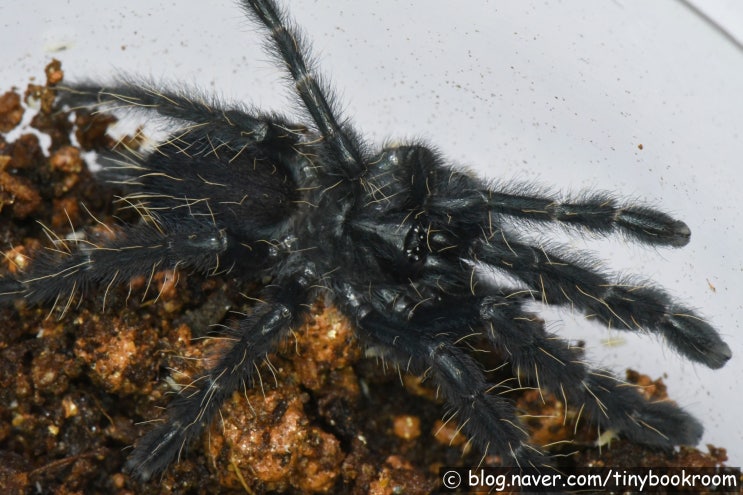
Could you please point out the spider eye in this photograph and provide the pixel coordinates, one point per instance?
(415, 244)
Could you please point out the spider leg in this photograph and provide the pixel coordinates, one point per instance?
(618, 305)
(193, 410)
(229, 123)
(143, 249)
(489, 420)
(341, 142)
(550, 362)
(598, 212)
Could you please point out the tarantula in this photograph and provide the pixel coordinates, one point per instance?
(403, 244)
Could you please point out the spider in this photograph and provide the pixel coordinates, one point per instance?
(400, 241)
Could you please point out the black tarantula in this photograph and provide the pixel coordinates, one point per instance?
(400, 241)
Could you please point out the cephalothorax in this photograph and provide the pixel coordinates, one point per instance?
(396, 238)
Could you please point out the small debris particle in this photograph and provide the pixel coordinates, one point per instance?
(66, 159)
(54, 72)
(11, 111)
(407, 427)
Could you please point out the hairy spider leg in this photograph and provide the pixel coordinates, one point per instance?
(429, 338)
(72, 267)
(346, 154)
(599, 213)
(487, 419)
(551, 363)
(257, 336)
(189, 219)
(577, 283)
(620, 305)
(230, 123)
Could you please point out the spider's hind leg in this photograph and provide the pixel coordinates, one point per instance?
(72, 268)
(190, 107)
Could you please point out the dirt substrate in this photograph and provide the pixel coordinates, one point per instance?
(78, 383)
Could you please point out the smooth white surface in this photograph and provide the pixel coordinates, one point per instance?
(561, 93)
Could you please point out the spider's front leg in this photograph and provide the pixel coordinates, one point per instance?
(575, 281)
(595, 212)
(621, 305)
(193, 410)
